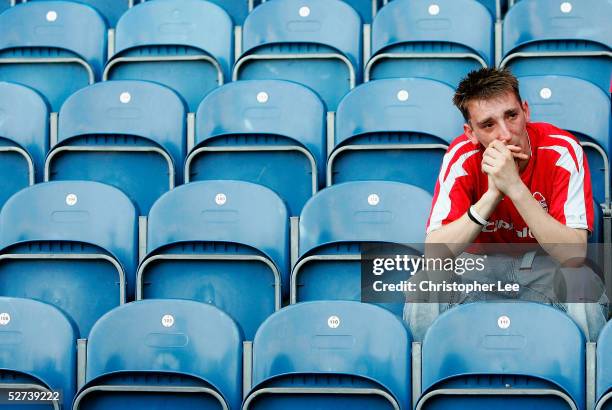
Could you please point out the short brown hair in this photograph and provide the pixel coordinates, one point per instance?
(484, 84)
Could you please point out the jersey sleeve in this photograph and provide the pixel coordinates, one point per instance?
(455, 186)
(572, 196)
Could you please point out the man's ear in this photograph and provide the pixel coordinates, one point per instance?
(526, 111)
(467, 130)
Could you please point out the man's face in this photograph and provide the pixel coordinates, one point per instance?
(502, 118)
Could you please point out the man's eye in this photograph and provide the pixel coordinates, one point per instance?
(513, 115)
(488, 126)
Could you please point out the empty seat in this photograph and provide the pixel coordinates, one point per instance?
(604, 369)
(268, 132)
(503, 356)
(336, 224)
(24, 138)
(392, 130)
(111, 10)
(331, 355)
(219, 242)
(554, 99)
(38, 353)
(55, 47)
(186, 45)
(163, 354)
(317, 44)
(441, 40)
(71, 244)
(560, 37)
(237, 9)
(130, 134)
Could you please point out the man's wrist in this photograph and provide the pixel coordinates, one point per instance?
(517, 191)
(492, 197)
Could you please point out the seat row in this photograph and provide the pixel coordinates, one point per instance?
(239, 9)
(222, 242)
(174, 354)
(191, 46)
(139, 137)
(81, 246)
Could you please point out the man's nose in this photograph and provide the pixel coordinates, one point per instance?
(504, 134)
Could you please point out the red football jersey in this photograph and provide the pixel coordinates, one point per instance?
(557, 175)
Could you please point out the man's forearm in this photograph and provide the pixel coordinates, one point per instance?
(458, 234)
(557, 239)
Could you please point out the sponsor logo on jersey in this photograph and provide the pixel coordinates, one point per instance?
(540, 198)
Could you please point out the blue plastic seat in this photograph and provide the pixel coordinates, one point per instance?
(163, 354)
(604, 369)
(391, 130)
(331, 355)
(318, 44)
(562, 38)
(38, 353)
(111, 10)
(72, 244)
(237, 9)
(441, 40)
(554, 99)
(339, 221)
(24, 138)
(187, 45)
(221, 242)
(503, 356)
(130, 134)
(55, 47)
(268, 132)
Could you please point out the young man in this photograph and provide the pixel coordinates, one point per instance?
(508, 180)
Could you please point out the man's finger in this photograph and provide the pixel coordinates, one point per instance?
(492, 152)
(498, 145)
(520, 155)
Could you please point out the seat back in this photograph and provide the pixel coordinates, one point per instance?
(561, 38)
(135, 134)
(441, 40)
(57, 245)
(498, 347)
(554, 99)
(220, 242)
(38, 349)
(24, 138)
(364, 211)
(604, 369)
(187, 45)
(163, 343)
(339, 221)
(55, 47)
(111, 10)
(390, 130)
(317, 346)
(318, 45)
(267, 132)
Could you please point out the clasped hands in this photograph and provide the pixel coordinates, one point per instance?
(499, 162)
